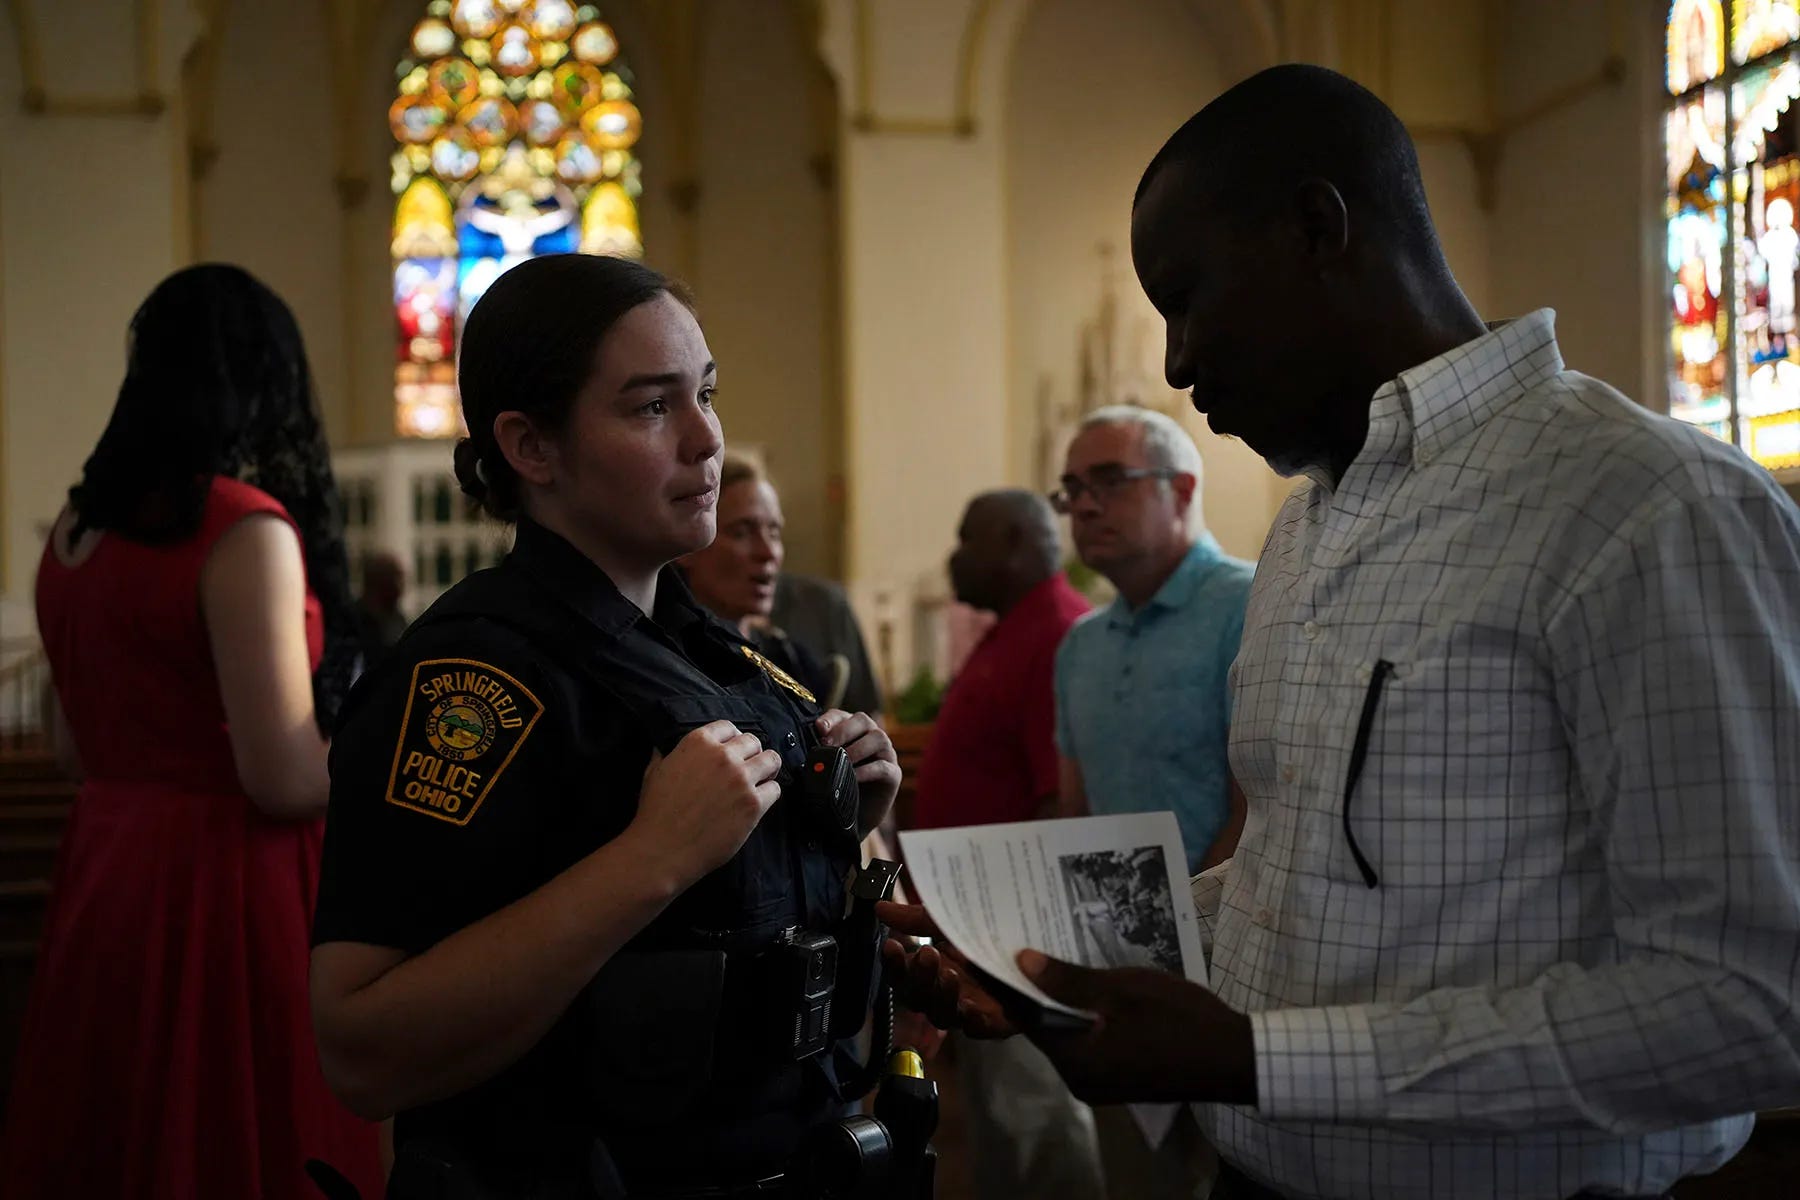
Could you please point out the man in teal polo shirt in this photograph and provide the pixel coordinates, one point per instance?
(1142, 699)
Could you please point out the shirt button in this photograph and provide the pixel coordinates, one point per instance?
(1264, 917)
(1310, 631)
(1288, 773)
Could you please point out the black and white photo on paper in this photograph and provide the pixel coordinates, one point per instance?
(1121, 908)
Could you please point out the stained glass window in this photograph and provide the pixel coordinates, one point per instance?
(514, 126)
(1696, 43)
(1759, 27)
(1731, 228)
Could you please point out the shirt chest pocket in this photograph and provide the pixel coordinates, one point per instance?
(1453, 767)
(674, 717)
(757, 880)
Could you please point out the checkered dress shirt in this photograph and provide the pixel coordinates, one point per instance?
(1579, 964)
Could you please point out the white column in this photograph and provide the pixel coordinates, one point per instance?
(924, 290)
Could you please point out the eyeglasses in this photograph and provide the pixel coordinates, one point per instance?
(1103, 483)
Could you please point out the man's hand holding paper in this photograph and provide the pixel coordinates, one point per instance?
(1156, 1037)
(1016, 905)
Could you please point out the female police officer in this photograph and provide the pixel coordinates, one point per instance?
(563, 920)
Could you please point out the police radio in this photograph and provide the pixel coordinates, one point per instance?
(829, 796)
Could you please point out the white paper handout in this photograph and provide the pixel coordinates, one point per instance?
(1106, 891)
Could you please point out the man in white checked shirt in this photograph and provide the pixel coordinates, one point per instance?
(1516, 910)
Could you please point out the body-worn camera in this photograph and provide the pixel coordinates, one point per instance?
(806, 967)
(825, 982)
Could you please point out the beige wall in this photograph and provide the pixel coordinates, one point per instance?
(764, 238)
(1576, 205)
(924, 289)
(267, 202)
(1072, 165)
(1541, 177)
(925, 303)
(89, 208)
(1430, 66)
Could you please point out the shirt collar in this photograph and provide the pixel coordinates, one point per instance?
(1178, 589)
(1041, 598)
(579, 582)
(1430, 407)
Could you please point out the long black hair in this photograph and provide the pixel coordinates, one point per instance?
(216, 383)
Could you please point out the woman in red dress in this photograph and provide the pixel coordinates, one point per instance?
(194, 605)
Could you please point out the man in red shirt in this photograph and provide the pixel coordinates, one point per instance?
(992, 757)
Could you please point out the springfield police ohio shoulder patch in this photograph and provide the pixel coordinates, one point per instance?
(464, 723)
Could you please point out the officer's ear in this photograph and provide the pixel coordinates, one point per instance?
(530, 452)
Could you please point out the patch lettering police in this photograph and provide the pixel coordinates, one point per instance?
(464, 723)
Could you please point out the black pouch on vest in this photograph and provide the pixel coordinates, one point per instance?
(649, 1021)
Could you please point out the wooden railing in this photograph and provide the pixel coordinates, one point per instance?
(24, 694)
(909, 747)
(34, 808)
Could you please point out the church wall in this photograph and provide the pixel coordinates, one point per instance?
(924, 293)
(1427, 60)
(1464, 227)
(1573, 223)
(929, 422)
(89, 222)
(1430, 61)
(267, 203)
(763, 231)
(1088, 103)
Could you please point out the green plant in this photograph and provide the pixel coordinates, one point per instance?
(919, 701)
(1088, 581)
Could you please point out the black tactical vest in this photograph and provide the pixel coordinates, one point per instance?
(666, 1054)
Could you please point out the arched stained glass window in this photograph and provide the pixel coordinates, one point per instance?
(515, 129)
(1733, 241)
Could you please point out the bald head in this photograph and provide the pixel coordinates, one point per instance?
(1296, 122)
(1027, 517)
(1007, 545)
(1282, 234)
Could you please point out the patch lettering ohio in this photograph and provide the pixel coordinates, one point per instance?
(464, 723)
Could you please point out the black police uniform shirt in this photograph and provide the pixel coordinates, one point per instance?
(501, 741)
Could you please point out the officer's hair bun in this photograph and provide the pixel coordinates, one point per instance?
(487, 479)
(467, 463)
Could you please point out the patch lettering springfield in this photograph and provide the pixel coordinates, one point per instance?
(464, 723)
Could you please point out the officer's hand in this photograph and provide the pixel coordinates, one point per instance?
(871, 752)
(914, 1031)
(1158, 1037)
(935, 980)
(699, 804)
